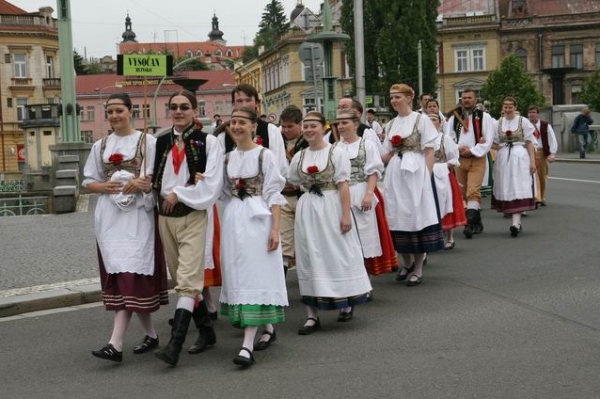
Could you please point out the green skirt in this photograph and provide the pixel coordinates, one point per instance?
(252, 315)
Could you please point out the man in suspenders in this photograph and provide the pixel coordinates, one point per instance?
(473, 130)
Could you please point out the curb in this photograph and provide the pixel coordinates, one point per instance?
(577, 160)
(44, 300)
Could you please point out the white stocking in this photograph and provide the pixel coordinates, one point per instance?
(146, 322)
(249, 335)
(516, 219)
(122, 319)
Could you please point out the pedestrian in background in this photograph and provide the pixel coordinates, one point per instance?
(581, 127)
(545, 153)
(133, 274)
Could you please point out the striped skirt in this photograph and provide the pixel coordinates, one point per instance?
(252, 315)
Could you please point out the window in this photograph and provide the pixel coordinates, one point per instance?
(49, 66)
(201, 108)
(598, 55)
(229, 53)
(576, 56)
(189, 54)
(522, 56)
(558, 56)
(20, 63)
(199, 53)
(90, 112)
(576, 89)
(461, 60)
(469, 59)
(87, 136)
(146, 111)
(218, 53)
(21, 103)
(135, 111)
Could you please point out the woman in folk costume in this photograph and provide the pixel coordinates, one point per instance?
(366, 170)
(515, 165)
(450, 200)
(133, 273)
(409, 191)
(330, 267)
(253, 292)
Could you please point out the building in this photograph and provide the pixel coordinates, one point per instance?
(214, 97)
(468, 47)
(215, 52)
(29, 75)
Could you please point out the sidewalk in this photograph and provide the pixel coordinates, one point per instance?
(573, 157)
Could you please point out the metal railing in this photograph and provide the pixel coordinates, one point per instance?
(23, 205)
(12, 186)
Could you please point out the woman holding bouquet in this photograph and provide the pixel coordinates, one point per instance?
(253, 293)
(132, 267)
(330, 267)
(409, 191)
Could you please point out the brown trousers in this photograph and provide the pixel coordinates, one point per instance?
(470, 174)
(541, 165)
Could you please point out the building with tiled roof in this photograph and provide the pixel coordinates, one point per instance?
(29, 74)
(214, 97)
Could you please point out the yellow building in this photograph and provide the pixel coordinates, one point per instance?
(468, 47)
(29, 75)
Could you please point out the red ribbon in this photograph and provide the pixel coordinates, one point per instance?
(178, 157)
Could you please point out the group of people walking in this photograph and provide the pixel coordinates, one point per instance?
(299, 195)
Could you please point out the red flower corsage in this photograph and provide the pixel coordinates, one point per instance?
(312, 169)
(240, 184)
(115, 158)
(508, 133)
(396, 140)
(258, 140)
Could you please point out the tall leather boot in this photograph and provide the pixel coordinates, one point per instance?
(477, 224)
(471, 216)
(170, 353)
(206, 336)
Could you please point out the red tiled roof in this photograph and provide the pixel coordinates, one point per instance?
(7, 8)
(553, 7)
(106, 83)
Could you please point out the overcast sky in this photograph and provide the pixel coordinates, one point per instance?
(98, 24)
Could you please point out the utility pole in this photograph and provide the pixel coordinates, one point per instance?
(420, 61)
(359, 48)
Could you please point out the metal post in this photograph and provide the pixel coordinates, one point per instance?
(420, 61)
(315, 86)
(359, 48)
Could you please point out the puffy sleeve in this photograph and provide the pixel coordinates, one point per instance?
(488, 131)
(205, 193)
(293, 175)
(148, 200)
(341, 164)
(373, 164)
(273, 180)
(451, 149)
(94, 167)
(552, 142)
(430, 137)
(277, 147)
(387, 144)
(528, 130)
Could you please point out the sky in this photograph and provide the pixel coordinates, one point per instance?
(98, 24)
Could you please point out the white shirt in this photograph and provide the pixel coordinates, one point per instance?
(552, 142)
(467, 138)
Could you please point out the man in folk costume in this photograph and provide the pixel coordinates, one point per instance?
(290, 123)
(473, 130)
(545, 153)
(267, 134)
(183, 205)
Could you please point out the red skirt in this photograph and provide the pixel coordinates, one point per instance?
(212, 277)
(136, 292)
(388, 261)
(458, 216)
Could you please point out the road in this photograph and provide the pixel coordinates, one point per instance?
(496, 317)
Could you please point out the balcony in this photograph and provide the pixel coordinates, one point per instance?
(51, 83)
(28, 20)
(41, 115)
(467, 21)
(22, 84)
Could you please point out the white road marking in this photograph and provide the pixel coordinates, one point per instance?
(576, 180)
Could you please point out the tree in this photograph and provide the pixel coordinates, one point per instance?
(79, 64)
(392, 33)
(591, 92)
(94, 68)
(193, 65)
(272, 26)
(511, 79)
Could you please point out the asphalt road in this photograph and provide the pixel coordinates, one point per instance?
(496, 317)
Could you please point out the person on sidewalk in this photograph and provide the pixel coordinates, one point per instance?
(133, 275)
(581, 127)
(513, 191)
(253, 292)
(183, 219)
(373, 124)
(473, 130)
(546, 147)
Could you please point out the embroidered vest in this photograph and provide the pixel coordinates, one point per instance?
(411, 143)
(242, 187)
(514, 137)
(544, 136)
(440, 155)
(323, 179)
(357, 164)
(131, 165)
(477, 119)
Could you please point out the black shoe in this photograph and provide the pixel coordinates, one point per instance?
(307, 330)
(109, 353)
(468, 231)
(346, 316)
(515, 230)
(543, 203)
(370, 297)
(402, 276)
(414, 280)
(214, 315)
(206, 339)
(244, 361)
(262, 345)
(147, 344)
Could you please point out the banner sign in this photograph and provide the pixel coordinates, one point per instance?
(144, 65)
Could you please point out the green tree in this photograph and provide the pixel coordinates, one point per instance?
(392, 33)
(511, 79)
(591, 91)
(193, 65)
(79, 64)
(272, 25)
(94, 68)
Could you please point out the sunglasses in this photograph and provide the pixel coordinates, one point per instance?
(183, 107)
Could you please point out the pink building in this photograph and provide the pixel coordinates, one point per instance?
(214, 97)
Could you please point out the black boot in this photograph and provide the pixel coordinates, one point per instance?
(170, 353)
(477, 225)
(468, 230)
(206, 336)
